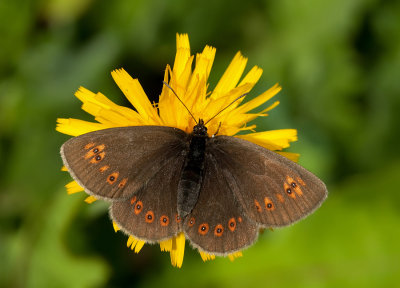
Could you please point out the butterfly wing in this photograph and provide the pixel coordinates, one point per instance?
(151, 214)
(273, 190)
(115, 163)
(217, 224)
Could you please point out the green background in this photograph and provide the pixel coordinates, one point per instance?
(338, 62)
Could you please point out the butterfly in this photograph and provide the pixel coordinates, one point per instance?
(220, 190)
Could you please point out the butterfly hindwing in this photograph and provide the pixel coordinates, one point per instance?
(217, 224)
(273, 190)
(114, 163)
(151, 214)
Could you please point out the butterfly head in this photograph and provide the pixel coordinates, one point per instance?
(200, 129)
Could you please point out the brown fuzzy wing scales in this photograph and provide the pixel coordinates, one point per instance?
(151, 214)
(217, 224)
(272, 190)
(115, 163)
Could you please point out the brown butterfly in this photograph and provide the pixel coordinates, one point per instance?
(220, 191)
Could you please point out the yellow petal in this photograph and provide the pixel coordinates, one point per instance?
(182, 54)
(134, 92)
(106, 111)
(63, 168)
(292, 156)
(166, 245)
(235, 255)
(115, 226)
(252, 77)
(134, 243)
(73, 187)
(205, 256)
(273, 139)
(178, 250)
(204, 62)
(231, 76)
(261, 99)
(90, 199)
(75, 127)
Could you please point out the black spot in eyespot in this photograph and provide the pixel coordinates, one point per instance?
(150, 217)
(294, 184)
(232, 224)
(164, 219)
(98, 158)
(95, 150)
(289, 191)
(203, 228)
(112, 178)
(269, 205)
(219, 230)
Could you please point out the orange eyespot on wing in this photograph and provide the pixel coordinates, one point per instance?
(218, 230)
(232, 224)
(203, 229)
(138, 207)
(112, 178)
(164, 220)
(149, 217)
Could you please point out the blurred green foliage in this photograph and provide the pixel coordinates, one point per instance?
(338, 62)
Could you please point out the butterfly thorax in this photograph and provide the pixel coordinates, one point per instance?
(192, 172)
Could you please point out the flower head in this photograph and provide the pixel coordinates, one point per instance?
(192, 87)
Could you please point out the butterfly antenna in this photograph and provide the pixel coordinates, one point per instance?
(241, 96)
(166, 84)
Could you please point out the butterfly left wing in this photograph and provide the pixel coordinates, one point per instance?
(151, 214)
(114, 163)
(273, 190)
(217, 224)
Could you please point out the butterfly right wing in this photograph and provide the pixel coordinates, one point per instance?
(273, 190)
(115, 163)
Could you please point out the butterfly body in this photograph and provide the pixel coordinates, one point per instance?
(218, 190)
(192, 172)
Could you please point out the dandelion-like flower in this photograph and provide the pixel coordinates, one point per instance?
(192, 87)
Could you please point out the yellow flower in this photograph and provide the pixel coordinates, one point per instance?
(192, 87)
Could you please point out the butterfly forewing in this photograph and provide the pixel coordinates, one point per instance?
(272, 190)
(217, 224)
(151, 214)
(114, 163)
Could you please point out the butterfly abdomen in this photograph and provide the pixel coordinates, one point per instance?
(192, 172)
